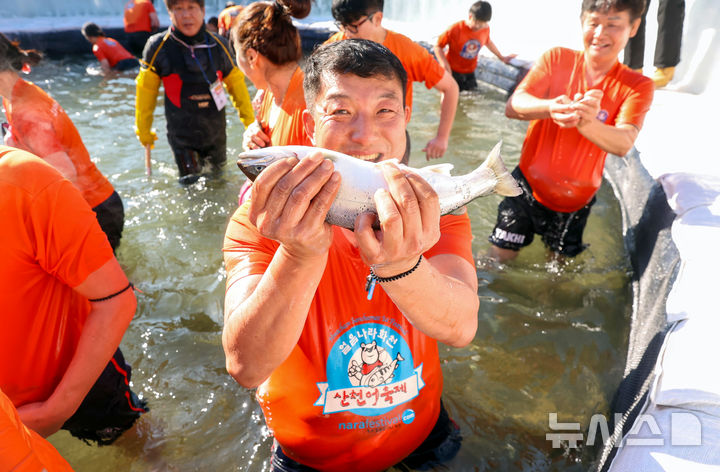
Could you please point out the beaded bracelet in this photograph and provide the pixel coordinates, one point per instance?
(373, 278)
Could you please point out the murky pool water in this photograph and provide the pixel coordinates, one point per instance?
(551, 337)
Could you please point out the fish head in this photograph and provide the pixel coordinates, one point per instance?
(252, 163)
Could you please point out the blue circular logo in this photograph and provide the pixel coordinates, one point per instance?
(408, 416)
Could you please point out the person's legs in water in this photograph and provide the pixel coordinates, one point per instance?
(111, 216)
(465, 81)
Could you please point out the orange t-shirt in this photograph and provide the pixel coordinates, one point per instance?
(111, 50)
(50, 242)
(329, 404)
(137, 16)
(40, 126)
(464, 46)
(22, 449)
(419, 64)
(227, 17)
(284, 124)
(564, 168)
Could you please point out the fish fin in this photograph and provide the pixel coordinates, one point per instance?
(443, 169)
(506, 185)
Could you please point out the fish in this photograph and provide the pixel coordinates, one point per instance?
(361, 179)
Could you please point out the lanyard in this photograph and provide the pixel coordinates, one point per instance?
(192, 54)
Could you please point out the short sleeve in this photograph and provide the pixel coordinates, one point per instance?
(537, 80)
(245, 251)
(69, 242)
(455, 238)
(99, 53)
(637, 104)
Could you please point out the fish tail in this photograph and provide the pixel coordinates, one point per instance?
(506, 185)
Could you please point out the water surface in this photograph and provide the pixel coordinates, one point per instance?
(551, 336)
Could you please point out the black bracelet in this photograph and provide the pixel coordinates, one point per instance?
(373, 278)
(130, 285)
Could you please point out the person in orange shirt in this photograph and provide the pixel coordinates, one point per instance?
(267, 50)
(38, 124)
(66, 305)
(140, 21)
(22, 448)
(349, 379)
(581, 105)
(463, 41)
(363, 19)
(228, 17)
(110, 53)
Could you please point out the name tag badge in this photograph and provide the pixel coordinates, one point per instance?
(218, 94)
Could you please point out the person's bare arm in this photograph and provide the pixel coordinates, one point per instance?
(440, 297)
(105, 66)
(104, 328)
(493, 49)
(449, 93)
(442, 58)
(616, 139)
(524, 106)
(265, 314)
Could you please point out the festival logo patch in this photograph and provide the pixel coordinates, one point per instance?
(370, 371)
(470, 49)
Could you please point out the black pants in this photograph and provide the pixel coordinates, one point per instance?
(465, 81)
(110, 408)
(670, 17)
(441, 445)
(111, 216)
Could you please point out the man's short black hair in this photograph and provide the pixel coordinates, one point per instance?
(359, 57)
(481, 11)
(634, 7)
(348, 12)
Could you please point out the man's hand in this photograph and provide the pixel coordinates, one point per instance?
(409, 216)
(290, 200)
(587, 106)
(435, 148)
(562, 112)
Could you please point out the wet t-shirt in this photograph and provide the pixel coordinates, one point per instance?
(284, 124)
(361, 389)
(40, 126)
(564, 168)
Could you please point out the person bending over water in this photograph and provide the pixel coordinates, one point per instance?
(110, 53)
(297, 315)
(38, 124)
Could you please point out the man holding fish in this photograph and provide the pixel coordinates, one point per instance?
(297, 313)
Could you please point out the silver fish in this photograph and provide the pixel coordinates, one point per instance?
(361, 179)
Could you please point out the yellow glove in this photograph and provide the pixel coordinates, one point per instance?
(147, 85)
(239, 95)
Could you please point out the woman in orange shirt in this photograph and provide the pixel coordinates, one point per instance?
(39, 125)
(267, 47)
